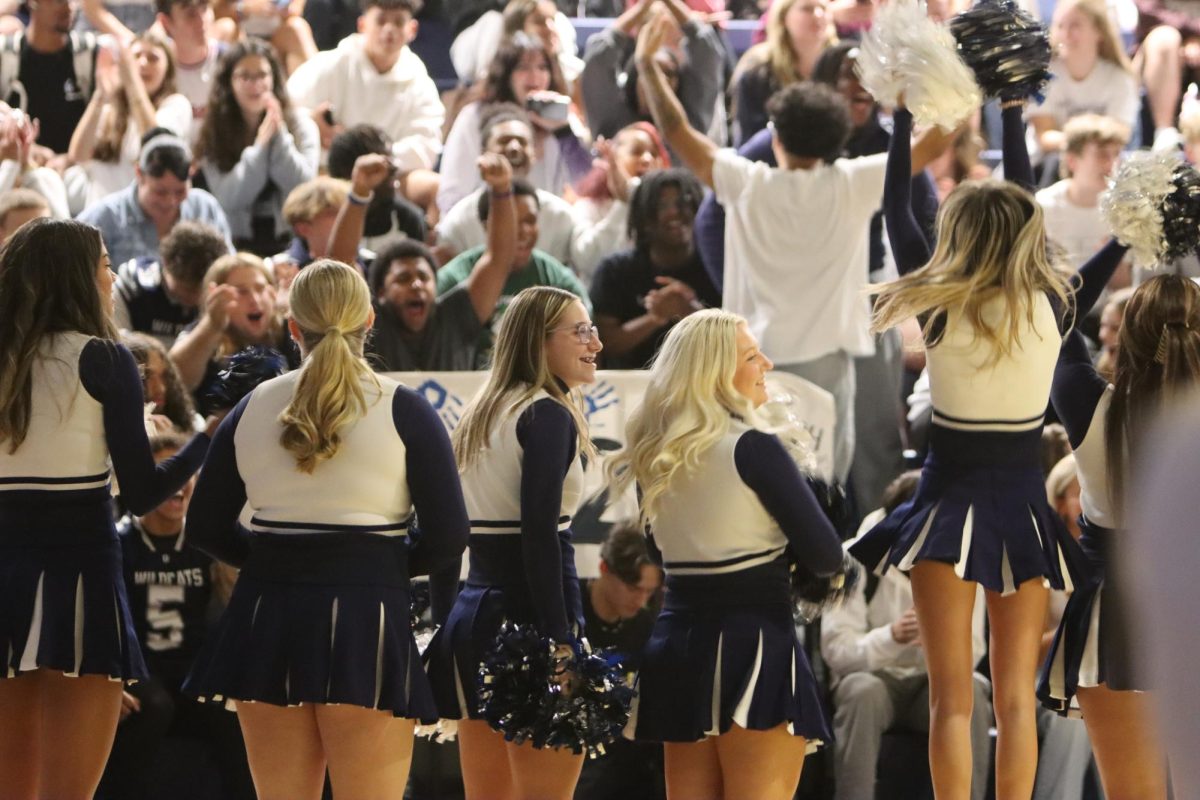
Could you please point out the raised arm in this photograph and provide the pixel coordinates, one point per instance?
(909, 245)
(694, 148)
(486, 282)
(368, 172)
(1077, 388)
(1016, 155)
(765, 466)
(547, 436)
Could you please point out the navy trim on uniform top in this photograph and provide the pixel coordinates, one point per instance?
(515, 523)
(329, 526)
(103, 476)
(723, 562)
(1027, 420)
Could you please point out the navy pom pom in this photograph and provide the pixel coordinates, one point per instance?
(522, 692)
(1181, 214)
(812, 595)
(243, 371)
(1006, 48)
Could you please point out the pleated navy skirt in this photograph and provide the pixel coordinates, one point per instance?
(1092, 646)
(980, 506)
(711, 663)
(318, 618)
(63, 605)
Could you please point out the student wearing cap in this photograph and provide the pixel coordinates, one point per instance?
(134, 220)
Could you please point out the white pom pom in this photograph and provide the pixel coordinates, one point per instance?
(907, 52)
(1132, 204)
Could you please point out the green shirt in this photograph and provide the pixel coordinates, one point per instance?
(542, 270)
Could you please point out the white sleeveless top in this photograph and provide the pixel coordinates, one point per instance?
(492, 483)
(710, 522)
(363, 488)
(1091, 462)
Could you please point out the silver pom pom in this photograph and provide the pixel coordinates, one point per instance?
(906, 52)
(1132, 205)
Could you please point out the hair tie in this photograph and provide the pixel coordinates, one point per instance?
(333, 331)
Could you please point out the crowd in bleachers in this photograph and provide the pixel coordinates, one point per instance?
(221, 147)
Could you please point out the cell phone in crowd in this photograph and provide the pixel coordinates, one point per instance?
(554, 109)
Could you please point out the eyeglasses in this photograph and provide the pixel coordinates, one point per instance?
(584, 332)
(251, 77)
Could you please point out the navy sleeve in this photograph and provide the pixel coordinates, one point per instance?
(925, 206)
(547, 437)
(110, 374)
(433, 484)
(765, 466)
(1016, 155)
(212, 518)
(1094, 275)
(909, 245)
(1077, 388)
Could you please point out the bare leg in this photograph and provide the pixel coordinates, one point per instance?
(294, 42)
(1017, 621)
(944, 604)
(1162, 73)
(761, 764)
(693, 770)
(1126, 743)
(79, 722)
(20, 735)
(284, 748)
(484, 757)
(369, 752)
(545, 774)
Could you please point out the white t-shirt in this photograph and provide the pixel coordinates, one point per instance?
(1080, 231)
(460, 229)
(796, 252)
(194, 81)
(1107, 90)
(105, 177)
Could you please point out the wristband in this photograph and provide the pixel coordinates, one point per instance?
(359, 200)
(501, 195)
(1012, 103)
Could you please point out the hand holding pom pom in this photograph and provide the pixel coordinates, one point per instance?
(245, 370)
(1006, 47)
(908, 59)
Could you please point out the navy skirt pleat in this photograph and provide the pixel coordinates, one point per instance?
(326, 621)
(992, 523)
(706, 669)
(1092, 646)
(63, 605)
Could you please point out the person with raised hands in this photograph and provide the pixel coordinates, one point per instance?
(993, 310)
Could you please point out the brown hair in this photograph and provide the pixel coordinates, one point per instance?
(116, 122)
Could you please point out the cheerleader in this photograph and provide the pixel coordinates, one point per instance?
(519, 448)
(993, 312)
(724, 683)
(314, 650)
(70, 405)
(1089, 667)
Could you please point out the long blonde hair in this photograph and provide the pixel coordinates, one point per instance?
(1111, 48)
(991, 243)
(519, 371)
(776, 52)
(331, 304)
(686, 409)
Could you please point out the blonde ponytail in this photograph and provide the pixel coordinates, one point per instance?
(331, 304)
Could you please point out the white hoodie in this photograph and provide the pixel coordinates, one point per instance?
(403, 102)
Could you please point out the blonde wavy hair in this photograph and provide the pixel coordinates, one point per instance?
(331, 304)
(991, 244)
(1111, 47)
(776, 50)
(687, 408)
(519, 371)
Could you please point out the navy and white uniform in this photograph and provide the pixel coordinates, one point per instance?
(724, 649)
(522, 491)
(63, 604)
(320, 611)
(1092, 645)
(141, 302)
(981, 503)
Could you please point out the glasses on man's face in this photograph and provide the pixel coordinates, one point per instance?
(584, 332)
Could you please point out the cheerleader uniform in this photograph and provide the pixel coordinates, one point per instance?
(724, 649)
(320, 611)
(522, 491)
(63, 604)
(981, 502)
(1092, 645)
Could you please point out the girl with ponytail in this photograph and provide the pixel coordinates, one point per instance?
(1089, 667)
(315, 650)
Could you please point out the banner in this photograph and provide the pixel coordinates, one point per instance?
(608, 404)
